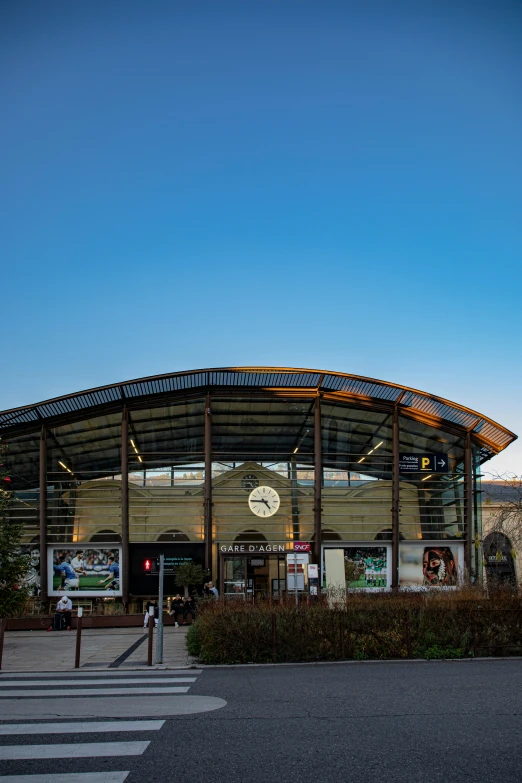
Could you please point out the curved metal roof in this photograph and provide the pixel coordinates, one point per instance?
(280, 380)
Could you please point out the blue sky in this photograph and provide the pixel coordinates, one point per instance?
(325, 184)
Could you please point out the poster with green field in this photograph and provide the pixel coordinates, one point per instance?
(84, 571)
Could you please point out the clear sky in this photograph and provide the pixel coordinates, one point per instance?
(332, 185)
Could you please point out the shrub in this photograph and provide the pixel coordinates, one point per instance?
(438, 653)
(363, 626)
(193, 640)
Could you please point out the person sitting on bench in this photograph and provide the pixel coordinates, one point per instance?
(176, 609)
(62, 617)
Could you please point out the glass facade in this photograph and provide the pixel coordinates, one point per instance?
(186, 469)
(432, 504)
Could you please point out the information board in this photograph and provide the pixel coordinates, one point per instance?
(423, 463)
(143, 582)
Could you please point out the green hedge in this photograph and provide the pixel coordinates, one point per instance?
(386, 626)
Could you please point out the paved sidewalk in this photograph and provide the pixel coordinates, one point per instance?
(124, 648)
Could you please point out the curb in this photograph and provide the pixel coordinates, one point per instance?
(127, 669)
(188, 667)
(392, 661)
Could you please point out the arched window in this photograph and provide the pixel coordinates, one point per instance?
(173, 535)
(106, 537)
(330, 535)
(387, 535)
(327, 535)
(248, 536)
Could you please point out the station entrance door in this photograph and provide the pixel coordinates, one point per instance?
(253, 577)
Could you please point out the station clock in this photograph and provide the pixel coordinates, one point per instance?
(263, 501)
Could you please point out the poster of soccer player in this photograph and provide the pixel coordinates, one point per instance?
(366, 567)
(84, 571)
(430, 565)
(32, 577)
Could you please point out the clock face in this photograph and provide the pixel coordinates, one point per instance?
(263, 501)
(249, 481)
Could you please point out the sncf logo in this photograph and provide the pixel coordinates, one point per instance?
(301, 546)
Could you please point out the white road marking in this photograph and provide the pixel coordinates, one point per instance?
(108, 681)
(71, 777)
(158, 673)
(94, 708)
(86, 727)
(88, 692)
(72, 750)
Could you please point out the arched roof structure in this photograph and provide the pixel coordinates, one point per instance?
(104, 405)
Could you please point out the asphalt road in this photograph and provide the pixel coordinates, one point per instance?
(407, 722)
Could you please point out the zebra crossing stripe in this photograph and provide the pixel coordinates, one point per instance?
(159, 674)
(71, 777)
(108, 681)
(71, 750)
(85, 727)
(71, 693)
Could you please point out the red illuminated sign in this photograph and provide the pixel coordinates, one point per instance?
(301, 546)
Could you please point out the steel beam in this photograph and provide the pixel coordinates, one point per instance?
(295, 499)
(468, 504)
(125, 505)
(43, 515)
(318, 480)
(208, 482)
(395, 498)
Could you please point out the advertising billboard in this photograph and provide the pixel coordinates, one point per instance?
(144, 568)
(430, 565)
(84, 571)
(32, 577)
(361, 567)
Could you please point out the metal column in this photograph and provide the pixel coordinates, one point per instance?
(208, 483)
(295, 500)
(468, 504)
(125, 505)
(318, 480)
(395, 499)
(159, 635)
(43, 515)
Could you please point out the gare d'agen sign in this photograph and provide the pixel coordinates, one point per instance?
(247, 549)
(423, 463)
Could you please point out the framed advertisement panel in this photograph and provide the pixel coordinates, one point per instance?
(32, 578)
(146, 582)
(431, 564)
(93, 570)
(364, 566)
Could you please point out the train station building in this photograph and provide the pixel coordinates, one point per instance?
(273, 479)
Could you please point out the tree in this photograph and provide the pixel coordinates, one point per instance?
(502, 508)
(13, 564)
(189, 574)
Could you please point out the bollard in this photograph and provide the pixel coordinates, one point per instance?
(341, 635)
(274, 637)
(151, 631)
(159, 635)
(3, 625)
(78, 638)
